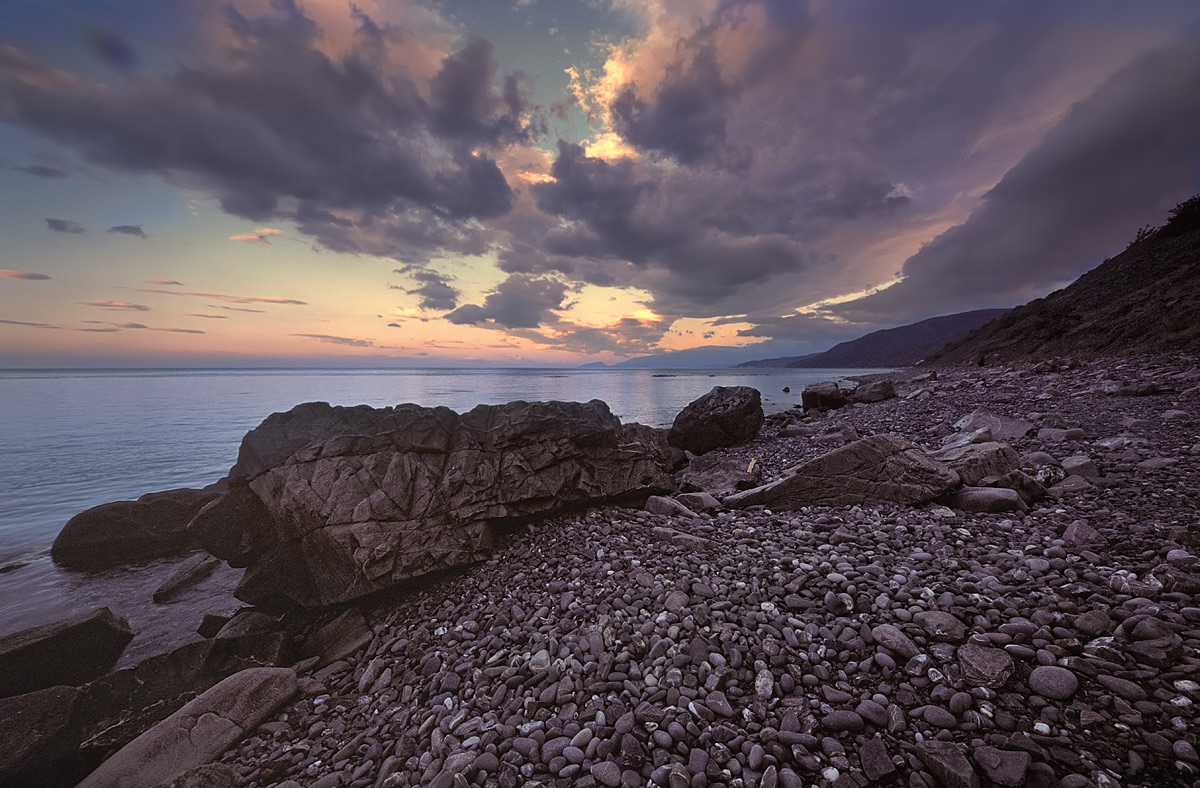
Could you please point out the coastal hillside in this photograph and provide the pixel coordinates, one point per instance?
(1144, 300)
(890, 347)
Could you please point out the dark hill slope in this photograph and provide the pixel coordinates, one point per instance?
(1144, 300)
(889, 347)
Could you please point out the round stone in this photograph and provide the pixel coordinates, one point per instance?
(607, 773)
(843, 721)
(1051, 681)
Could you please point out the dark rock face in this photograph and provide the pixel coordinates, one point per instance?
(875, 469)
(357, 499)
(39, 738)
(70, 652)
(725, 416)
(114, 534)
(823, 396)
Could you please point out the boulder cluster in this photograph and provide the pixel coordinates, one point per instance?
(983, 577)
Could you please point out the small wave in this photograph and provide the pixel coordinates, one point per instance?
(14, 566)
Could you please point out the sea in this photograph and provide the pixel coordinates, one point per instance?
(73, 439)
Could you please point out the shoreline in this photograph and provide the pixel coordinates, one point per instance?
(744, 647)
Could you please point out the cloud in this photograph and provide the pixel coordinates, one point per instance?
(165, 282)
(244, 309)
(8, 273)
(129, 229)
(433, 287)
(355, 145)
(116, 305)
(1111, 165)
(210, 317)
(30, 325)
(348, 341)
(111, 48)
(42, 171)
(64, 226)
(260, 235)
(128, 325)
(231, 298)
(518, 302)
(179, 330)
(98, 330)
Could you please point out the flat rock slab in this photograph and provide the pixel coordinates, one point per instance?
(881, 468)
(199, 732)
(71, 651)
(39, 738)
(977, 461)
(189, 573)
(1003, 428)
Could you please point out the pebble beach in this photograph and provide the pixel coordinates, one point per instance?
(828, 646)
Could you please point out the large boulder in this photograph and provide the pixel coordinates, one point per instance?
(881, 468)
(823, 396)
(874, 391)
(725, 416)
(114, 534)
(70, 652)
(353, 500)
(199, 732)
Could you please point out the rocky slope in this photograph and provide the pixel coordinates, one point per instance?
(1144, 300)
(830, 645)
(890, 347)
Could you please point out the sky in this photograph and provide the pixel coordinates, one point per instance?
(538, 182)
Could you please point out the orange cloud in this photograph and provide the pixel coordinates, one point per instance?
(7, 273)
(259, 235)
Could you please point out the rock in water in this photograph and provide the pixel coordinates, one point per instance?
(114, 534)
(880, 468)
(198, 732)
(725, 416)
(70, 651)
(356, 499)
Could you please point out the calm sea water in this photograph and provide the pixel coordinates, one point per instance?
(72, 439)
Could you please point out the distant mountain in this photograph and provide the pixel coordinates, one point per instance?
(1144, 300)
(890, 347)
(709, 357)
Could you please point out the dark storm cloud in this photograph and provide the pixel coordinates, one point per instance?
(686, 119)
(1117, 160)
(279, 129)
(667, 225)
(433, 287)
(64, 226)
(518, 302)
(129, 229)
(42, 171)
